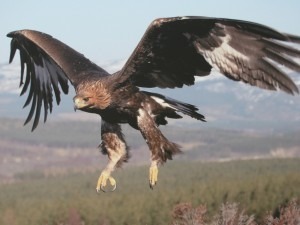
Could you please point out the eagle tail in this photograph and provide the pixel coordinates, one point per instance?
(176, 106)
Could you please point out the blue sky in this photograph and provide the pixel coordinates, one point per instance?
(109, 30)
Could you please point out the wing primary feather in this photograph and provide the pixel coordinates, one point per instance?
(50, 99)
(46, 107)
(37, 111)
(13, 49)
(280, 78)
(45, 111)
(56, 91)
(63, 83)
(32, 92)
(293, 38)
(29, 98)
(28, 76)
(54, 82)
(279, 58)
(279, 47)
(256, 28)
(31, 110)
(22, 62)
(45, 102)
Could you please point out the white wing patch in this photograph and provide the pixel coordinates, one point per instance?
(162, 102)
(225, 58)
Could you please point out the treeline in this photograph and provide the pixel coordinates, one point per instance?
(259, 186)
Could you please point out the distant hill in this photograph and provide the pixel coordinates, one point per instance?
(59, 147)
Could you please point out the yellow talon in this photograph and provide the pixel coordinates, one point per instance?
(153, 173)
(102, 181)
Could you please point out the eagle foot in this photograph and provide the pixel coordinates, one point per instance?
(153, 173)
(102, 183)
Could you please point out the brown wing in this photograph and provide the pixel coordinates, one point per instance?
(49, 65)
(174, 50)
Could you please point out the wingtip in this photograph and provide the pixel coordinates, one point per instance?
(200, 117)
(293, 38)
(33, 128)
(159, 21)
(10, 34)
(13, 33)
(296, 91)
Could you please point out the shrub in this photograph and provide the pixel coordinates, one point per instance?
(231, 214)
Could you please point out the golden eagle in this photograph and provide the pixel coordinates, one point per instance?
(170, 54)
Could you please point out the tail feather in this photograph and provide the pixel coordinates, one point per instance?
(179, 106)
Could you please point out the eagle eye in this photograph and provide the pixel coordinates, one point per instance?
(85, 99)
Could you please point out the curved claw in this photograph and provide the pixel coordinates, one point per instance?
(153, 173)
(113, 184)
(102, 182)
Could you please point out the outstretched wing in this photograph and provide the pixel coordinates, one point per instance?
(174, 50)
(49, 65)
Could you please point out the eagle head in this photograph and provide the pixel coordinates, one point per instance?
(92, 97)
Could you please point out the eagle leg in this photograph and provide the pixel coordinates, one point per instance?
(114, 145)
(161, 148)
(153, 174)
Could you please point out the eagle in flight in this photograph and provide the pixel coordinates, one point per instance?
(170, 54)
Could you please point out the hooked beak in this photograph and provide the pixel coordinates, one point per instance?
(80, 103)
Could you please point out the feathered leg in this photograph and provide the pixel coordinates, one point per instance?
(114, 145)
(161, 148)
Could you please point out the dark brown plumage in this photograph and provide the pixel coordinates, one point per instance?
(171, 53)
